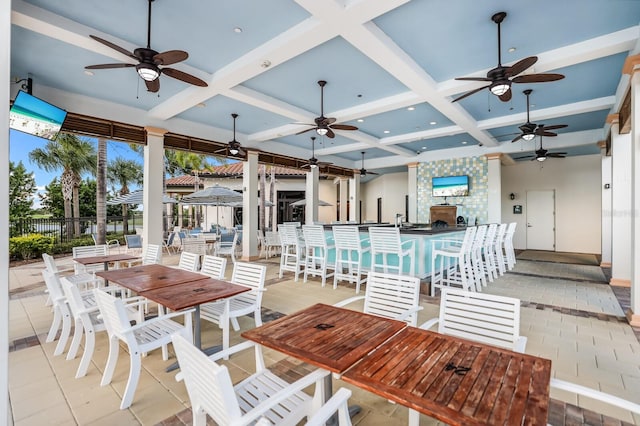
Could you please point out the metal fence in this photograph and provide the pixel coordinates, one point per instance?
(63, 229)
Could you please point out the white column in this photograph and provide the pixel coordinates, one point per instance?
(494, 183)
(152, 181)
(605, 187)
(250, 207)
(354, 197)
(412, 190)
(634, 311)
(621, 212)
(311, 195)
(5, 62)
(344, 196)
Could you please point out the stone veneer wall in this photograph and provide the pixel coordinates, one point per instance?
(475, 205)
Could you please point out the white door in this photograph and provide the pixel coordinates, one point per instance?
(541, 227)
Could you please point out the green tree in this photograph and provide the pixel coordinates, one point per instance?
(53, 202)
(101, 191)
(51, 199)
(73, 156)
(22, 187)
(123, 173)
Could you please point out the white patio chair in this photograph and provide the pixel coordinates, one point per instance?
(61, 313)
(489, 255)
(87, 322)
(507, 245)
(212, 392)
(167, 244)
(317, 252)
(261, 242)
(390, 296)
(227, 311)
(454, 266)
(338, 403)
(349, 253)
(151, 256)
(85, 279)
(291, 251)
(89, 251)
(140, 338)
(134, 243)
(477, 262)
(189, 261)
(227, 246)
(111, 244)
(214, 266)
(272, 243)
(386, 244)
(497, 248)
(485, 318)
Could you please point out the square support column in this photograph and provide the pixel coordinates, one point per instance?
(152, 184)
(494, 183)
(250, 207)
(412, 191)
(354, 197)
(311, 195)
(633, 315)
(621, 202)
(5, 76)
(344, 198)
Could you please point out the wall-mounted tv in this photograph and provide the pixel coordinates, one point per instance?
(450, 186)
(36, 117)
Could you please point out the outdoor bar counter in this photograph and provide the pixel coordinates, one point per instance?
(422, 234)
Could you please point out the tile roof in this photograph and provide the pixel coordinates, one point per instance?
(185, 180)
(235, 169)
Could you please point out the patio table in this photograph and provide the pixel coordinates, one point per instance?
(146, 277)
(106, 259)
(456, 381)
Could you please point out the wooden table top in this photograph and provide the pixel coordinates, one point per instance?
(192, 293)
(325, 336)
(90, 260)
(425, 371)
(146, 277)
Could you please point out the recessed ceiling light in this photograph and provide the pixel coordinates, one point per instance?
(386, 131)
(237, 30)
(360, 120)
(512, 49)
(424, 147)
(433, 123)
(266, 63)
(532, 105)
(201, 105)
(87, 72)
(411, 108)
(464, 142)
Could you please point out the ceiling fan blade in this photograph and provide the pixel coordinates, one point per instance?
(170, 57)
(470, 93)
(372, 173)
(545, 133)
(330, 134)
(305, 131)
(305, 165)
(473, 79)
(108, 66)
(343, 127)
(554, 127)
(325, 121)
(556, 153)
(537, 78)
(521, 65)
(183, 76)
(506, 96)
(524, 157)
(153, 86)
(324, 163)
(115, 47)
(241, 152)
(517, 138)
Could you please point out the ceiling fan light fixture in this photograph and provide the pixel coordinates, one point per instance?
(233, 151)
(541, 158)
(322, 131)
(313, 166)
(499, 88)
(528, 136)
(148, 72)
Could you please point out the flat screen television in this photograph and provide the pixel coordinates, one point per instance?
(450, 186)
(36, 117)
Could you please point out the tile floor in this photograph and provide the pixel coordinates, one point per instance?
(569, 314)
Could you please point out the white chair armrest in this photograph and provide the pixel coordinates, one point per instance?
(284, 394)
(591, 393)
(521, 344)
(408, 313)
(232, 350)
(430, 323)
(347, 301)
(338, 402)
(412, 243)
(161, 318)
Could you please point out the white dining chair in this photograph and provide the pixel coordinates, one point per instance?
(226, 312)
(317, 253)
(291, 251)
(272, 244)
(227, 246)
(386, 244)
(213, 266)
(488, 252)
(211, 391)
(189, 261)
(507, 245)
(477, 262)
(141, 338)
(61, 314)
(498, 248)
(451, 262)
(89, 251)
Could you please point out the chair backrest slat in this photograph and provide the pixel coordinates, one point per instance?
(214, 266)
(189, 261)
(390, 295)
(152, 255)
(250, 275)
(385, 240)
(314, 236)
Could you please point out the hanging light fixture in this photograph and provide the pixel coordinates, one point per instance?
(148, 72)
(500, 87)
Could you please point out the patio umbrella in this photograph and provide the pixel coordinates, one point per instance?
(267, 203)
(213, 196)
(136, 197)
(303, 202)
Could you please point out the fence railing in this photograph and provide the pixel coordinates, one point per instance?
(63, 229)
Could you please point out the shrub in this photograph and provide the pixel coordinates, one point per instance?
(30, 246)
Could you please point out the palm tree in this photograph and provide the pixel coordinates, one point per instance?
(74, 156)
(124, 172)
(101, 191)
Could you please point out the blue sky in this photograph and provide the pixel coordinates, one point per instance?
(20, 144)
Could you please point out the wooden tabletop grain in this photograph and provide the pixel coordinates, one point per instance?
(147, 277)
(90, 260)
(193, 293)
(325, 336)
(457, 381)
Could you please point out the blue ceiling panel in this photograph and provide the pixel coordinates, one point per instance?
(446, 142)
